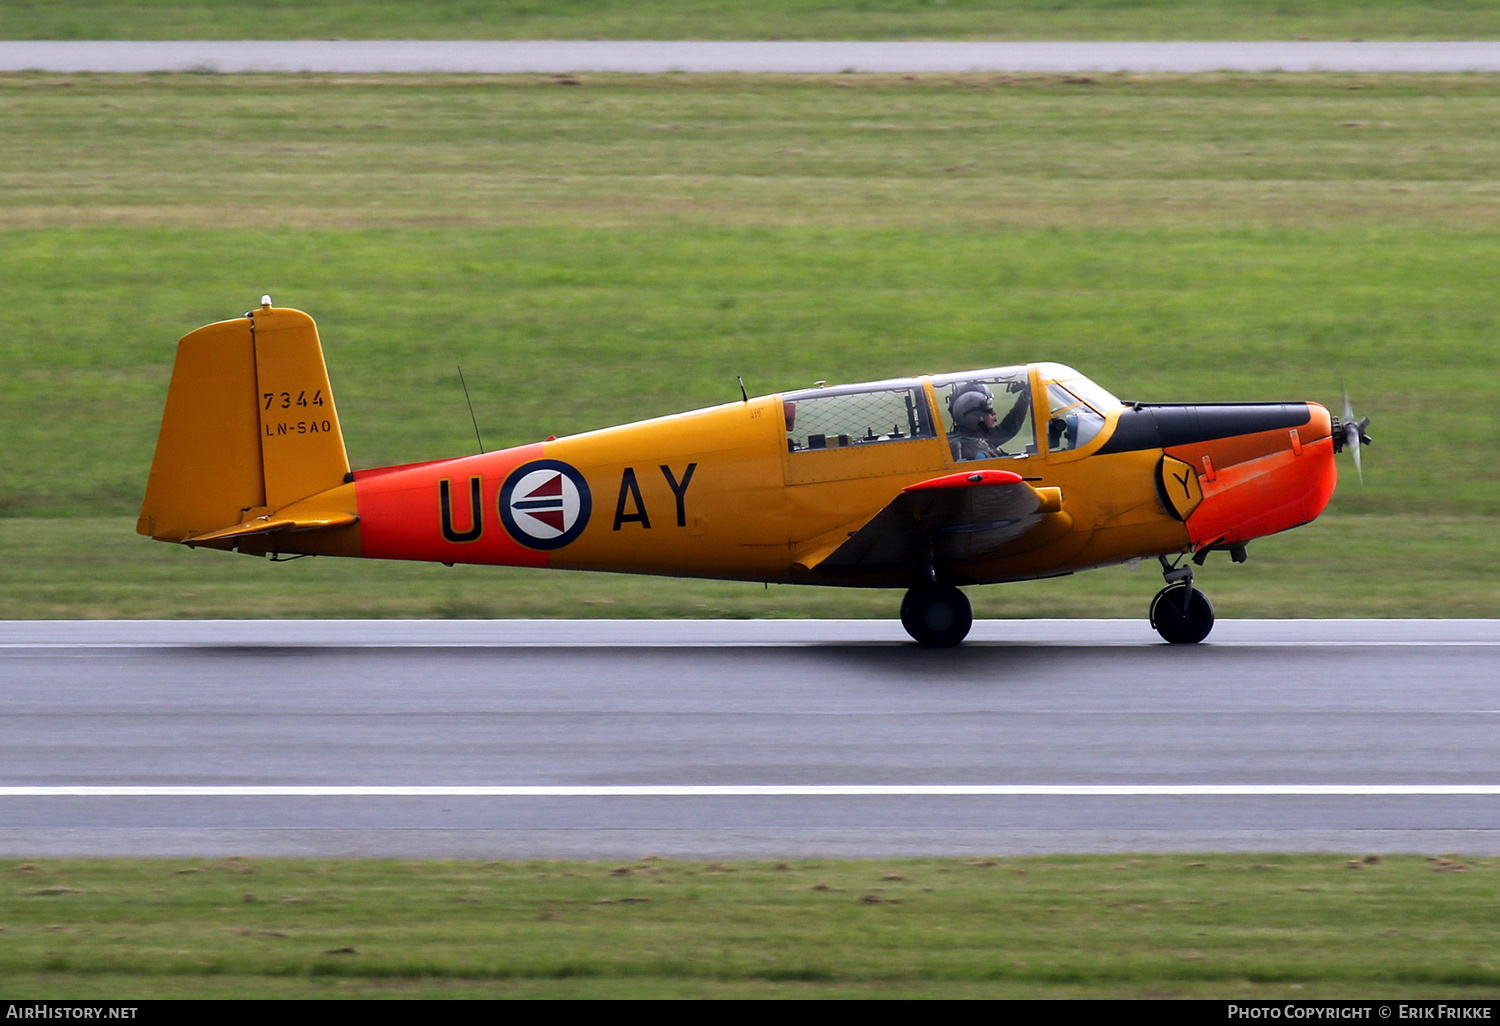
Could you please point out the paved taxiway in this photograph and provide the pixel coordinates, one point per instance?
(809, 57)
(721, 739)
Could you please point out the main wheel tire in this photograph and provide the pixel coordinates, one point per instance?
(1179, 625)
(937, 615)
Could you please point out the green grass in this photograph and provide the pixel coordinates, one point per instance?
(752, 19)
(623, 247)
(1303, 927)
(625, 326)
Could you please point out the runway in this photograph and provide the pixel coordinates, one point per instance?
(722, 739)
(810, 57)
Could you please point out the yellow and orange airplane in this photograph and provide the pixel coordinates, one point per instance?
(924, 483)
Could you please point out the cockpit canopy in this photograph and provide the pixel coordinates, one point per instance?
(880, 411)
(986, 414)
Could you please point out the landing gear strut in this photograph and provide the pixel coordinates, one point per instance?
(1180, 613)
(936, 615)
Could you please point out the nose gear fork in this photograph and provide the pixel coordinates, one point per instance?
(1173, 573)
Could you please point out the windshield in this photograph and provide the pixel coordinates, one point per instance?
(1076, 407)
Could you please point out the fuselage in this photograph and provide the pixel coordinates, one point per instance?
(749, 490)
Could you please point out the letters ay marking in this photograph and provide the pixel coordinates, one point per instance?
(630, 492)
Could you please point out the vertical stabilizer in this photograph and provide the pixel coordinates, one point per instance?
(207, 467)
(249, 426)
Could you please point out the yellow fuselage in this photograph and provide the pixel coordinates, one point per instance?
(251, 457)
(716, 493)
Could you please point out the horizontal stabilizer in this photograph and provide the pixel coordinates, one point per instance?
(277, 524)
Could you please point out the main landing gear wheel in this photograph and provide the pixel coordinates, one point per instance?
(1182, 614)
(937, 615)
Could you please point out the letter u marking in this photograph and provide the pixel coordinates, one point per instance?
(476, 518)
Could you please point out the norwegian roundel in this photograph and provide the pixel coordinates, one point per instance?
(545, 504)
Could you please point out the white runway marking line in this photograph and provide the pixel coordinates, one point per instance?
(753, 791)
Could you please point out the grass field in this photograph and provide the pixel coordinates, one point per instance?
(1223, 926)
(600, 249)
(752, 19)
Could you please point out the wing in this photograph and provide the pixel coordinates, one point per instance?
(951, 519)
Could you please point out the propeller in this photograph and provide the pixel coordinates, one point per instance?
(1351, 434)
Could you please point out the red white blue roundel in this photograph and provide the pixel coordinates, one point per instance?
(545, 504)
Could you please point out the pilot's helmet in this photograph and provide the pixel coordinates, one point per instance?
(968, 386)
(970, 407)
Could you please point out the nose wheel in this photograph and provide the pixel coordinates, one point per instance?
(937, 615)
(1180, 613)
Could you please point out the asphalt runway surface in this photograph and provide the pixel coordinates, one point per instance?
(563, 56)
(722, 739)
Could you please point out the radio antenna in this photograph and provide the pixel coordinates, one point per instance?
(475, 420)
(741, 380)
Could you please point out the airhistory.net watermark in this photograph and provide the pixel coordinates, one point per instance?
(41, 1010)
(1378, 1010)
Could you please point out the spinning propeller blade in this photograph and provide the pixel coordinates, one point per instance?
(1353, 434)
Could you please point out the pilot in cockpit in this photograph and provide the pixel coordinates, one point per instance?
(976, 435)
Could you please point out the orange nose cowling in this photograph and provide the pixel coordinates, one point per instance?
(1255, 485)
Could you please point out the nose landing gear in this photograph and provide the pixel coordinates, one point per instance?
(1181, 614)
(936, 615)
